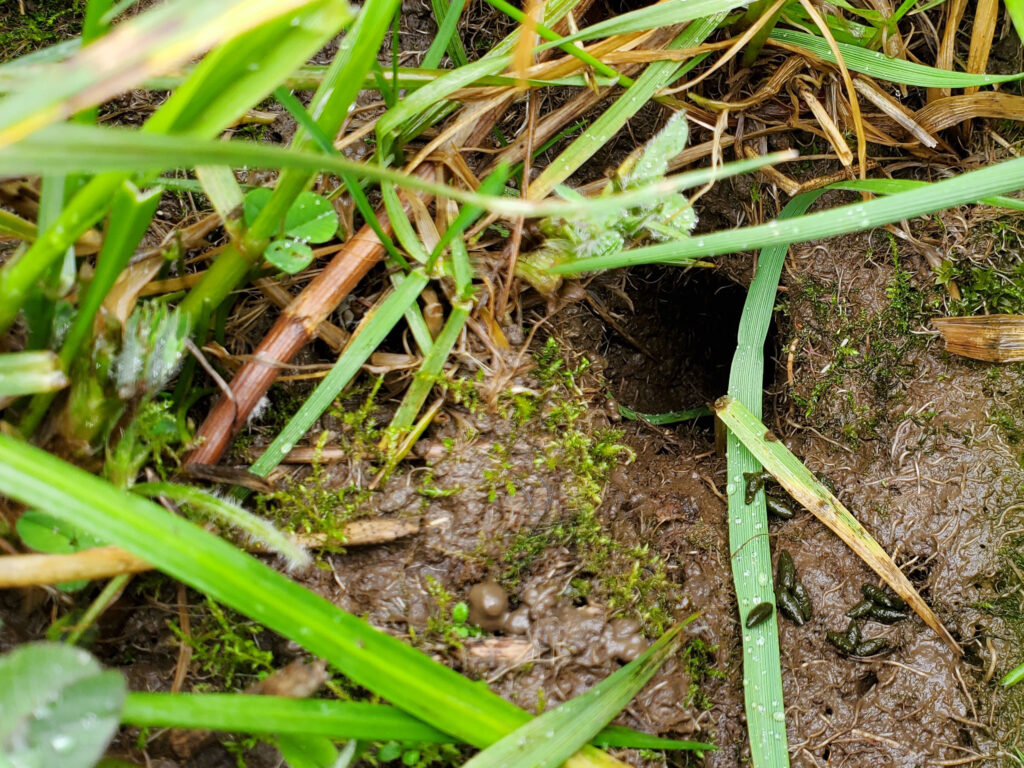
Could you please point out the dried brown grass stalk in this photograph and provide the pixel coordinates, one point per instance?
(947, 48)
(107, 562)
(991, 338)
(293, 330)
(986, 13)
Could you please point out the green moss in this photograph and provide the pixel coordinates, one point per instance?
(860, 355)
(44, 23)
(629, 579)
(225, 648)
(449, 619)
(315, 504)
(699, 662)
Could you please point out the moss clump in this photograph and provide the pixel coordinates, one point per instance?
(699, 661)
(628, 578)
(44, 23)
(225, 646)
(859, 360)
(315, 504)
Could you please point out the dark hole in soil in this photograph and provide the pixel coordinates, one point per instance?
(682, 330)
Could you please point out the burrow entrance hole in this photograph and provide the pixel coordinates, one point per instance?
(670, 336)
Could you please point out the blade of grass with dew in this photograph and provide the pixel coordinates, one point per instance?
(328, 108)
(668, 417)
(600, 132)
(219, 89)
(227, 511)
(71, 148)
(751, 560)
(409, 78)
(664, 14)
(551, 738)
(447, 37)
(382, 664)
(244, 713)
(969, 187)
(152, 42)
(26, 373)
(803, 486)
(882, 67)
(130, 214)
(892, 186)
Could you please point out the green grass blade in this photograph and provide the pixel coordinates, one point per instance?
(969, 187)
(358, 350)
(892, 186)
(73, 148)
(548, 740)
(15, 226)
(662, 14)
(748, 524)
(25, 373)
(803, 486)
(227, 511)
(447, 37)
(243, 713)
(222, 188)
(894, 70)
(1013, 677)
(152, 42)
(668, 417)
(1016, 10)
(600, 132)
(430, 369)
(219, 89)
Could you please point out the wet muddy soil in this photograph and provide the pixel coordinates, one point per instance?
(575, 537)
(860, 388)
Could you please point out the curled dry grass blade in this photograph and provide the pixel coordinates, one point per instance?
(150, 44)
(412, 681)
(801, 484)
